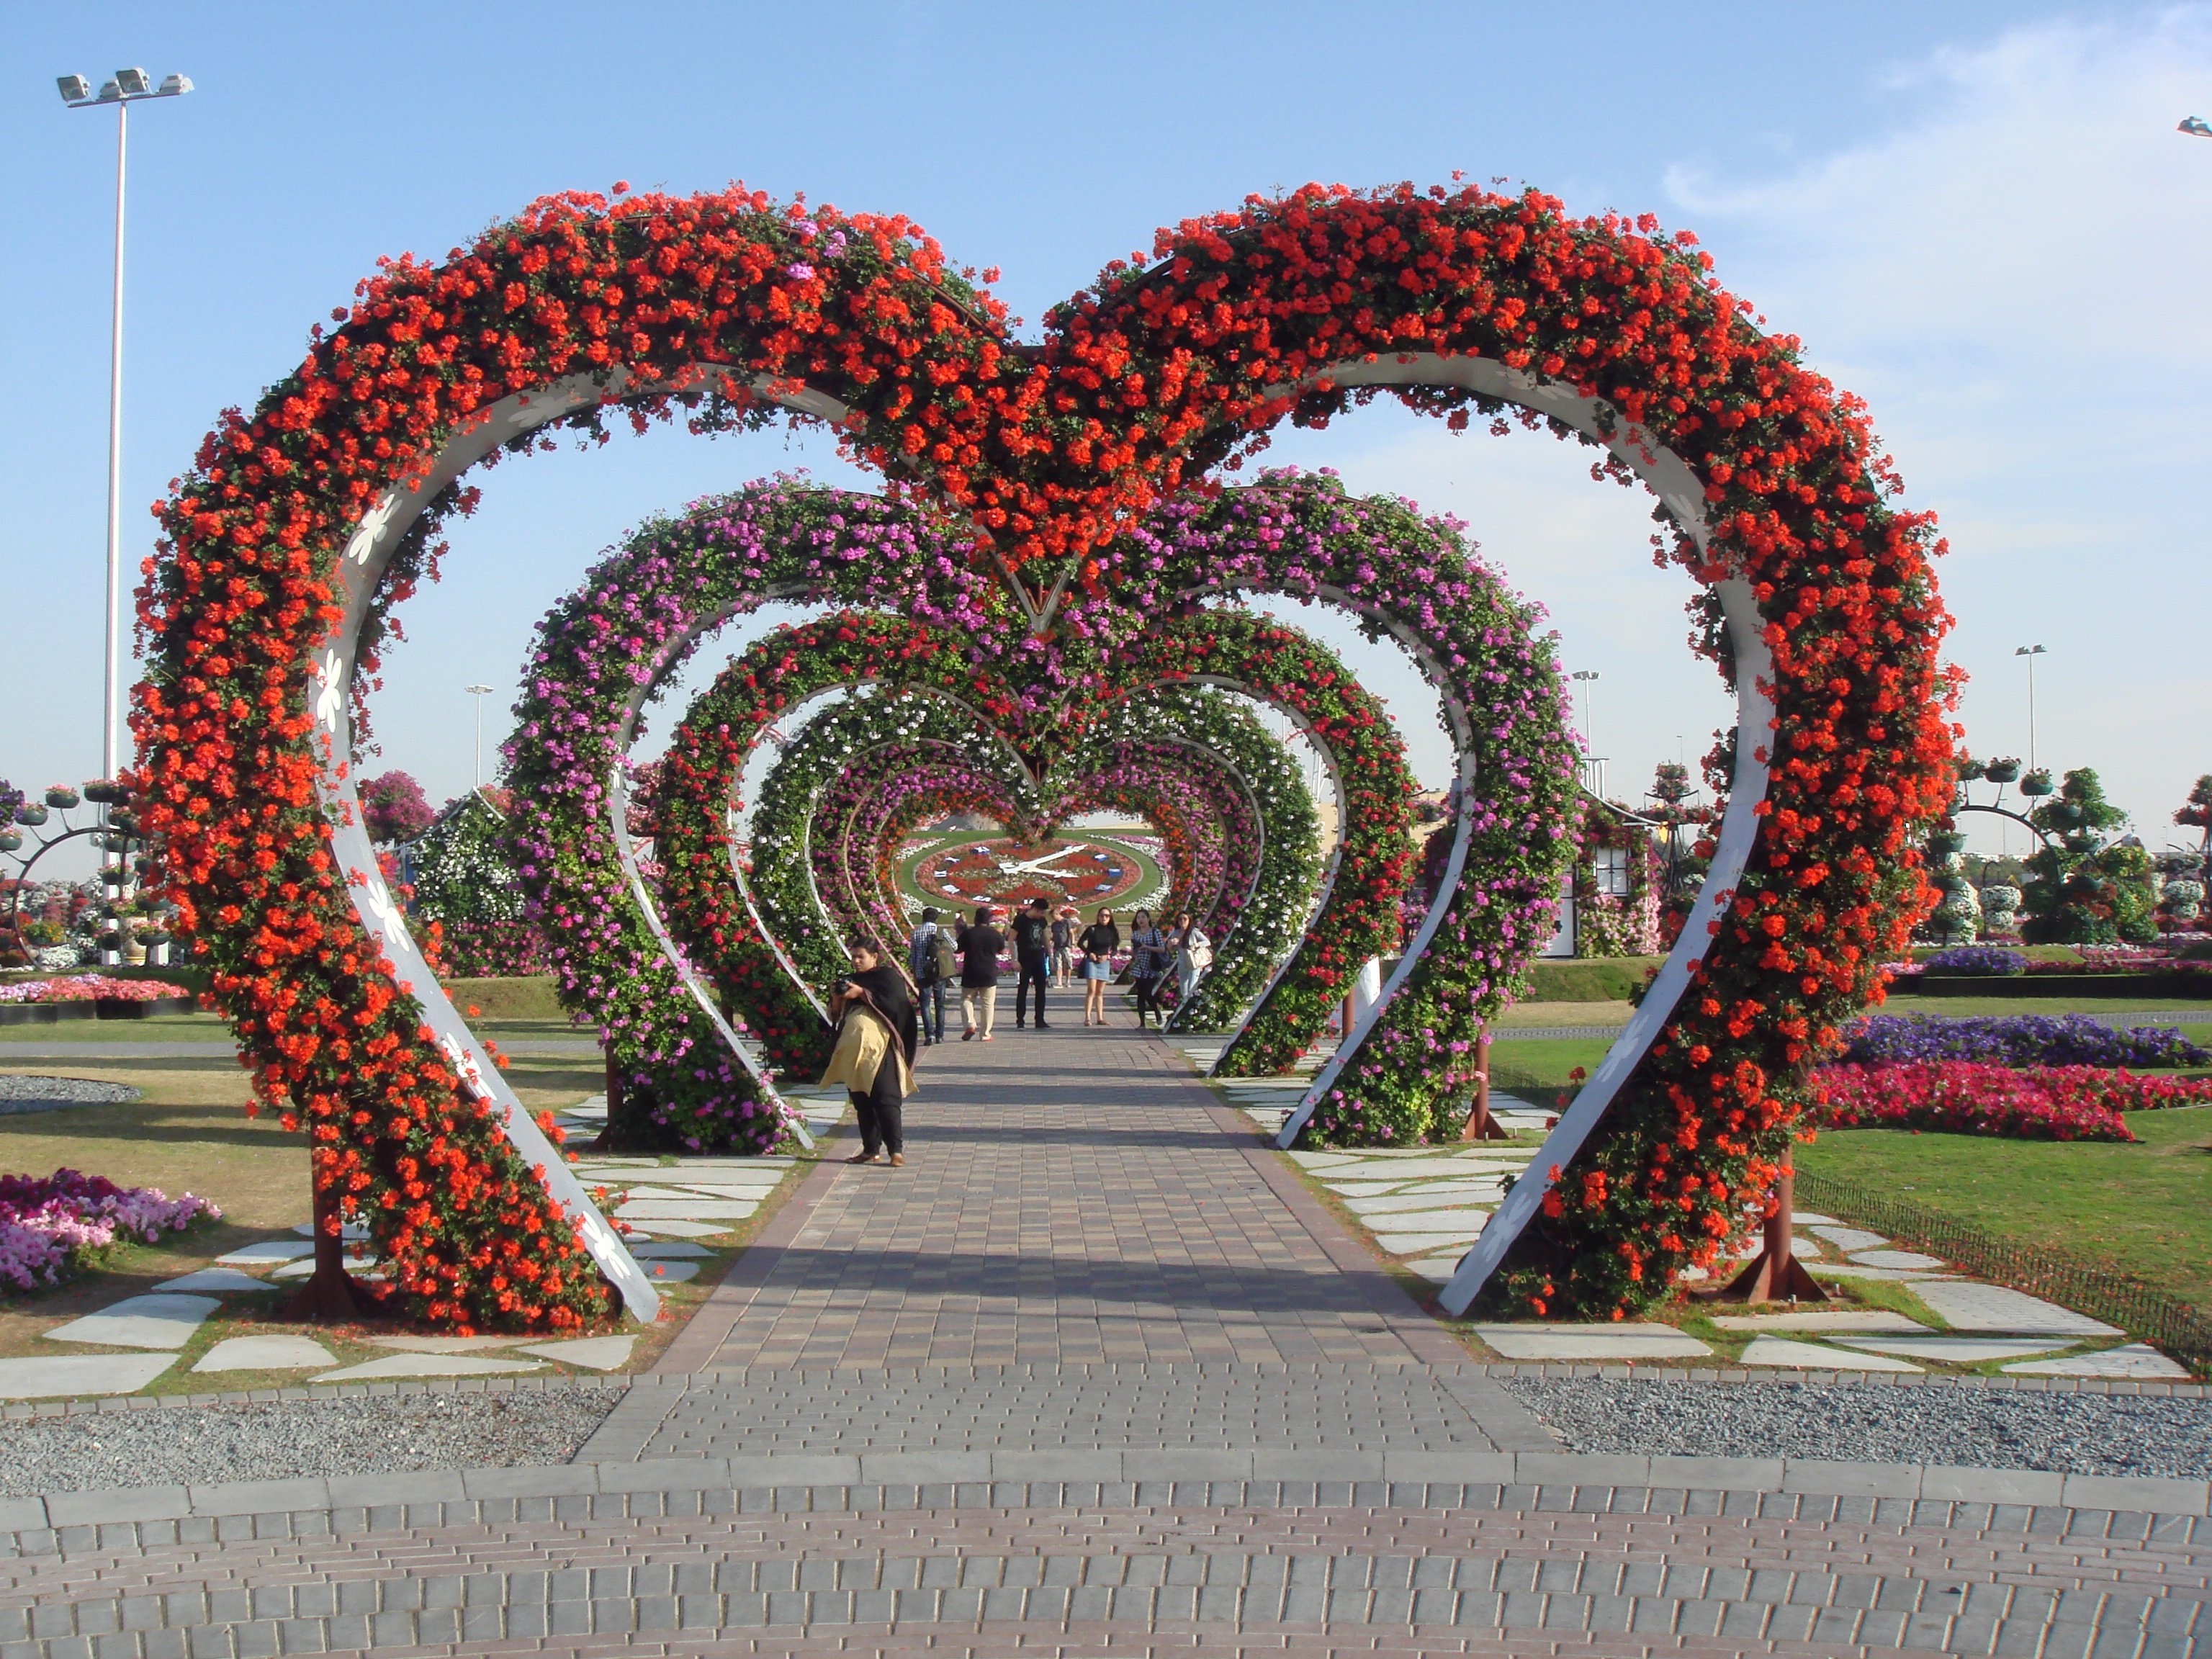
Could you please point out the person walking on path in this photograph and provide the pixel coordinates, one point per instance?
(932, 961)
(1099, 942)
(1149, 959)
(874, 1056)
(1193, 955)
(1032, 932)
(1065, 927)
(980, 946)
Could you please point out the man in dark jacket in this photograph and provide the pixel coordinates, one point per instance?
(1033, 958)
(980, 946)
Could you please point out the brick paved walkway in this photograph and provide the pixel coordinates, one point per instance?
(1070, 1196)
(1091, 1378)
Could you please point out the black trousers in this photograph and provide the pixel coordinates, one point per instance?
(882, 1112)
(1148, 994)
(1035, 970)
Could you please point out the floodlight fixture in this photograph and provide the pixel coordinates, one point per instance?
(75, 88)
(132, 82)
(2196, 126)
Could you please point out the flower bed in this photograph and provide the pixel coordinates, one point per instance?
(50, 1224)
(2017, 1040)
(2040, 1102)
(1977, 959)
(87, 988)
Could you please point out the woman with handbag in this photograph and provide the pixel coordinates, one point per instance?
(874, 1056)
(1099, 942)
(1194, 956)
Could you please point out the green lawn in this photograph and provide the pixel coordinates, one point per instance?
(2147, 1208)
(1536, 1069)
(1958, 1007)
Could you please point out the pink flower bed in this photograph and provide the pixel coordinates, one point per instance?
(87, 987)
(46, 1221)
(2035, 1103)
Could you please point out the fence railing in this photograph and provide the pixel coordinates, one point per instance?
(2098, 1289)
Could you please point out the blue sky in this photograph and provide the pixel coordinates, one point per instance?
(1978, 216)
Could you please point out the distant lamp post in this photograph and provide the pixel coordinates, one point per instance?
(1583, 676)
(129, 87)
(2196, 126)
(2029, 652)
(479, 692)
(1593, 764)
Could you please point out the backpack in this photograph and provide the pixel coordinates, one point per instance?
(945, 956)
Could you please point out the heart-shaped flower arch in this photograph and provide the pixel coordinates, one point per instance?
(1261, 913)
(601, 658)
(301, 524)
(1358, 919)
(1257, 846)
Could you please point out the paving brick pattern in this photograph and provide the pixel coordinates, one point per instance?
(1274, 1567)
(1398, 1408)
(1042, 1392)
(1068, 1198)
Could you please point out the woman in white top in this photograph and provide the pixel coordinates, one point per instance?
(1194, 956)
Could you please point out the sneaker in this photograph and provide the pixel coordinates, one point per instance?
(1042, 1026)
(966, 1036)
(986, 1036)
(898, 1160)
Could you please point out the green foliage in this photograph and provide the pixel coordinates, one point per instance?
(462, 871)
(2078, 890)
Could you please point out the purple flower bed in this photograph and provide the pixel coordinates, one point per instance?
(1977, 959)
(45, 1221)
(2016, 1040)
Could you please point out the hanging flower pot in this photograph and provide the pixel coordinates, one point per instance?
(30, 812)
(61, 796)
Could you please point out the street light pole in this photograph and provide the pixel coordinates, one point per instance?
(128, 88)
(2029, 652)
(479, 692)
(1583, 676)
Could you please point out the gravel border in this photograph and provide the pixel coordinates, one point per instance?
(2074, 1432)
(285, 1438)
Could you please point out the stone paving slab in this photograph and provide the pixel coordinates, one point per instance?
(163, 1321)
(266, 1353)
(46, 1377)
(1778, 1351)
(1966, 1306)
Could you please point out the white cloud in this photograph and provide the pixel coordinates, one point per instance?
(2018, 276)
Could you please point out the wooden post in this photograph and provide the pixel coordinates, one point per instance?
(605, 1140)
(328, 1294)
(1774, 1274)
(1480, 1125)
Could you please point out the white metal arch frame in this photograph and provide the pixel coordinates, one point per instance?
(360, 568)
(1677, 486)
